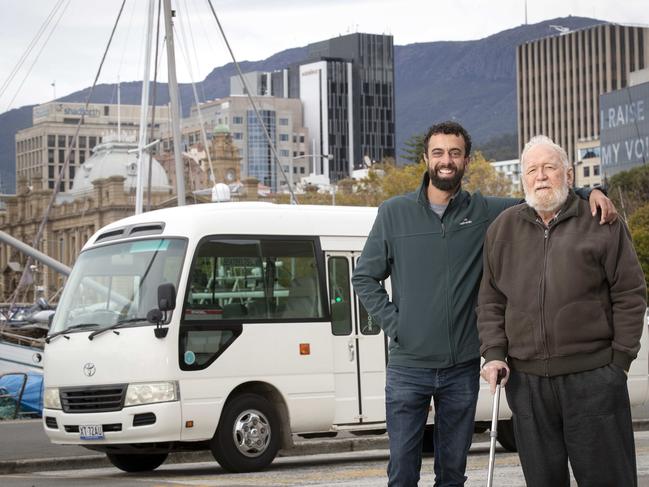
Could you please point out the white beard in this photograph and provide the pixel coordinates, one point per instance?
(548, 201)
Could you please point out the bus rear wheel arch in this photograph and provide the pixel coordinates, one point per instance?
(248, 436)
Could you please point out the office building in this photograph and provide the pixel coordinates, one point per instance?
(560, 79)
(347, 87)
(512, 170)
(42, 148)
(282, 118)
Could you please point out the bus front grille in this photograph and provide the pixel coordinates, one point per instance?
(97, 399)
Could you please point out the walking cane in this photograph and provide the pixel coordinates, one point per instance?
(494, 427)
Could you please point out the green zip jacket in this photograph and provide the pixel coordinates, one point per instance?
(434, 267)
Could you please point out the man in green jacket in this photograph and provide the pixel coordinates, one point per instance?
(430, 245)
(562, 299)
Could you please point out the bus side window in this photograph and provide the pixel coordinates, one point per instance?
(339, 292)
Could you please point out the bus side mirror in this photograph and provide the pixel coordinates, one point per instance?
(166, 297)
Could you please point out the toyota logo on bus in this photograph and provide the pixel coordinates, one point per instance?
(89, 369)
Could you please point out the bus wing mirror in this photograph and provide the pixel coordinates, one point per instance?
(166, 297)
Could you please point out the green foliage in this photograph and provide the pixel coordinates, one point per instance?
(501, 148)
(639, 227)
(481, 176)
(414, 149)
(629, 190)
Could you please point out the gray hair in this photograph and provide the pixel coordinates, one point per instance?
(545, 140)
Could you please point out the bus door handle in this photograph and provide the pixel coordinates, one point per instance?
(352, 350)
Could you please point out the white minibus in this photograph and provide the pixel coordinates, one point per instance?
(227, 326)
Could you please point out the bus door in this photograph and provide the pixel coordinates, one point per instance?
(359, 348)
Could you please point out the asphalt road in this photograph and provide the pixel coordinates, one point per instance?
(357, 469)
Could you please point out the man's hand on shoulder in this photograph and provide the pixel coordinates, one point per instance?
(598, 200)
(489, 373)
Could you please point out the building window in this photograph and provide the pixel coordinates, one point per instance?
(237, 135)
(92, 141)
(302, 170)
(586, 171)
(283, 137)
(596, 170)
(284, 153)
(51, 140)
(237, 120)
(283, 121)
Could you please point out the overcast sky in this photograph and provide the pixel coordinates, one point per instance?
(72, 44)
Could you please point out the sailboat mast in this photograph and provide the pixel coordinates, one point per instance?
(144, 110)
(173, 99)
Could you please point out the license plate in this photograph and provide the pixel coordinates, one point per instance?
(91, 432)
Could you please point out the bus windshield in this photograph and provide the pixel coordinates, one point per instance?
(118, 282)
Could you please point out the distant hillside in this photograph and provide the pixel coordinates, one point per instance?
(473, 82)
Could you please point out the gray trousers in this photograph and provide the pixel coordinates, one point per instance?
(584, 418)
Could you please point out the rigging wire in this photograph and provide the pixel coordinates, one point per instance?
(30, 46)
(196, 100)
(194, 50)
(72, 141)
(254, 107)
(40, 51)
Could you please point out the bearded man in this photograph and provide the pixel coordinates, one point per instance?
(429, 243)
(561, 308)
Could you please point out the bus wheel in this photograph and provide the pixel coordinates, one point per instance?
(247, 438)
(506, 435)
(144, 462)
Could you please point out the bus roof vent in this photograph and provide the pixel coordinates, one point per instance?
(147, 229)
(111, 235)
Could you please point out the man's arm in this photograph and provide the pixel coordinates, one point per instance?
(373, 266)
(491, 322)
(595, 197)
(628, 295)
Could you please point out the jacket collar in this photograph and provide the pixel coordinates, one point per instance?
(569, 209)
(422, 194)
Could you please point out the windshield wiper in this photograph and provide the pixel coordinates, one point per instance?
(114, 326)
(78, 326)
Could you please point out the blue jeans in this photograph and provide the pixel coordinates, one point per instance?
(408, 394)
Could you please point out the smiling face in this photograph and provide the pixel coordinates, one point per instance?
(546, 179)
(446, 160)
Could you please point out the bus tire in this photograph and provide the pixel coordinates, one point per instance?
(248, 436)
(137, 462)
(506, 436)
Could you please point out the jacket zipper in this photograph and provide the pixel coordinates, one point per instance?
(546, 235)
(449, 333)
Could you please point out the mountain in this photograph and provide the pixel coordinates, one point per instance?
(473, 82)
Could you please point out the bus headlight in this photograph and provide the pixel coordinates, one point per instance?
(51, 398)
(151, 392)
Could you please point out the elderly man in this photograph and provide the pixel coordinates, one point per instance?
(561, 308)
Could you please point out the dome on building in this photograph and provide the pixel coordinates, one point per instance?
(222, 129)
(113, 158)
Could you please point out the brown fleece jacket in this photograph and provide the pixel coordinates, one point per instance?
(560, 299)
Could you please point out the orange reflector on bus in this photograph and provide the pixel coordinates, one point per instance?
(305, 349)
(189, 424)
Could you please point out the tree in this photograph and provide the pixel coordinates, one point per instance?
(639, 227)
(414, 149)
(481, 176)
(629, 190)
